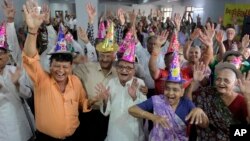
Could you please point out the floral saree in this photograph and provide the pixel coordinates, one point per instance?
(220, 117)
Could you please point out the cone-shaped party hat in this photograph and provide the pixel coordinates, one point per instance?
(108, 44)
(129, 54)
(174, 44)
(175, 70)
(62, 46)
(3, 39)
(126, 42)
(101, 31)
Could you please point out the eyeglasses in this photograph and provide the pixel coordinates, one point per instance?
(127, 68)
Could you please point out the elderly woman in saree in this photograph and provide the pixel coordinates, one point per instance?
(223, 106)
(170, 112)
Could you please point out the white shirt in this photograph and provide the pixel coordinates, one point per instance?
(14, 125)
(122, 126)
(12, 41)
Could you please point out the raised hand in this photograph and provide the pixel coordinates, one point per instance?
(144, 89)
(16, 75)
(177, 21)
(120, 14)
(102, 92)
(132, 17)
(198, 19)
(220, 20)
(245, 41)
(91, 12)
(9, 10)
(207, 38)
(139, 12)
(195, 34)
(32, 15)
(46, 11)
(162, 37)
(109, 14)
(199, 72)
(234, 19)
(82, 35)
(133, 88)
(219, 36)
(197, 116)
(244, 84)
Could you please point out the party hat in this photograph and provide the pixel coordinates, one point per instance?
(174, 44)
(101, 31)
(175, 71)
(3, 39)
(108, 44)
(129, 54)
(62, 46)
(126, 42)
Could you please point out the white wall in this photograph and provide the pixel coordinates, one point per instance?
(114, 6)
(82, 16)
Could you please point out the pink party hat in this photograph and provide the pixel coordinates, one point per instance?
(175, 70)
(126, 42)
(174, 44)
(62, 46)
(129, 54)
(3, 39)
(101, 31)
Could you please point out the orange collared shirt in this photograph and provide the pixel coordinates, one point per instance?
(56, 113)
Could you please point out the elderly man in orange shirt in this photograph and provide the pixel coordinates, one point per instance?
(58, 94)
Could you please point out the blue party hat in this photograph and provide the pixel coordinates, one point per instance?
(62, 46)
(175, 70)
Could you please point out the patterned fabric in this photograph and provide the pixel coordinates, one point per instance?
(177, 129)
(90, 32)
(218, 113)
(119, 34)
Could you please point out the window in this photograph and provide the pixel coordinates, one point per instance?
(194, 11)
(189, 9)
(167, 12)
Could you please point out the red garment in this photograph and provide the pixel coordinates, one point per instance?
(160, 82)
(187, 75)
(239, 108)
